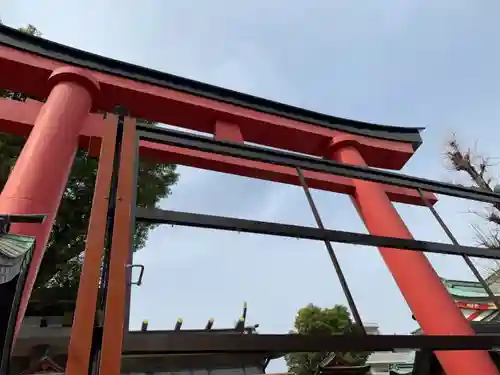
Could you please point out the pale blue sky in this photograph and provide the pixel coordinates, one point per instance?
(407, 63)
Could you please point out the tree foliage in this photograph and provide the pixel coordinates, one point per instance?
(61, 265)
(316, 320)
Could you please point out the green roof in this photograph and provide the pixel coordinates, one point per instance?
(15, 252)
(470, 289)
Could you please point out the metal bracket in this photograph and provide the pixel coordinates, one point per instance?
(141, 273)
(7, 219)
(4, 224)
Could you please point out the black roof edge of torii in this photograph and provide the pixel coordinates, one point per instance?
(16, 39)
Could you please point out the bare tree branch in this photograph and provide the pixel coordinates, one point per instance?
(478, 169)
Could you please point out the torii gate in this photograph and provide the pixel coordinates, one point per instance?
(76, 83)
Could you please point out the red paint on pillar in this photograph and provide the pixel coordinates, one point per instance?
(227, 131)
(37, 182)
(414, 274)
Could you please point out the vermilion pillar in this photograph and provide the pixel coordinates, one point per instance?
(39, 178)
(227, 131)
(413, 273)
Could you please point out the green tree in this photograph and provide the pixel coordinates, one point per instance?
(316, 320)
(59, 272)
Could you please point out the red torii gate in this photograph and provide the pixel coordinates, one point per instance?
(75, 82)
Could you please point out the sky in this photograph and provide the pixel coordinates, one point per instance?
(405, 63)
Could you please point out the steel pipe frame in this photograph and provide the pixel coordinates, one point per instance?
(179, 343)
(196, 142)
(32, 219)
(200, 343)
(41, 47)
(136, 343)
(159, 216)
(331, 253)
(468, 261)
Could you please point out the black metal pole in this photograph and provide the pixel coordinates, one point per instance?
(468, 261)
(132, 231)
(333, 257)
